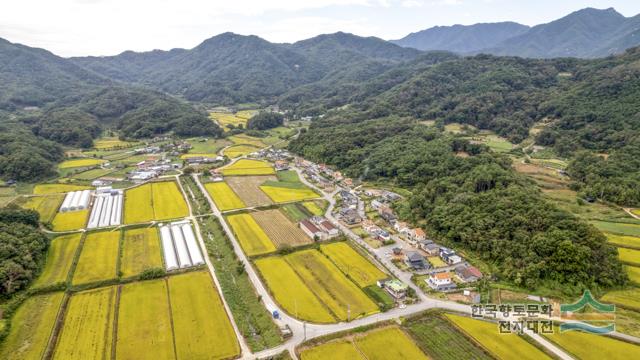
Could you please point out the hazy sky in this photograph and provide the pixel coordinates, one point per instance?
(108, 27)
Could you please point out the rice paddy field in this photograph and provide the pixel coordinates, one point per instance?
(223, 196)
(248, 167)
(502, 346)
(112, 143)
(208, 146)
(626, 298)
(98, 258)
(330, 285)
(280, 194)
(32, 325)
(248, 189)
(240, 150)
(45, 189)
(92, 174)
(279, 229)
(629, 256)
(88, 326)
(154, 201)
(144, 322)
(618, 228)
(590, 346)
(634, 273)
(388, 343)
(350, 262)
(296, 211)
(201, 326)
(224, 118)
(248, 140)
(46, 206)
(141, 251)
(291, 292)
(313, 208)
(252, 238)
(626, 241)
(335, 350)
(60, 255)
(71, 220)
(75, 163)
(192, 155)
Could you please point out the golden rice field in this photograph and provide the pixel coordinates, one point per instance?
(634, 273)
(248, 167)
(291, 292)
(627, 298)
(154, 201)
(240, 150)
(330, 285)
(252, 238)
(240, 118)
(223, 196)
(46, 206)
(590, 346)
(313, 208)
(622, 240)
(111, 143)
(71, 220)
(247, 140)
(279, 229)
(202, 329)
(502, 346)
(192, 155)
(31, 328)
(144, 322)
(60, 256)
(629, 256)
(87, 332)
(388, 343)
(44, 189)
(67, 164)
(283, 194)
(141, 251)
(98, 258)
(334, 350)
(350, 262)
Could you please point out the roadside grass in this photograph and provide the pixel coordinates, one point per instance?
(629, 256)
(354, 265)
(141, 251)
(618, 228)
(503, 346)
(252, 238)
(46, 206)
(622, 240)
(200, 323)
(592, 346)
(31, 327)
(291, 292)
(59, 260)
(388, 343)
(144, 322)
(98, 258)
(629, 298)
(87, 331)
(248, 167)
(45, 189)
(71, 220)
(223, 196)
(75, 163)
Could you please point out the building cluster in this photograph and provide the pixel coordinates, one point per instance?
(318, 227)
(152, 149)
(199, 160)
(351, 208)
(274, 155)
(151, 168)
(375, 231)
(76, 200)
(322, 175)
(107, 208)
(396, 288)
(179, 246)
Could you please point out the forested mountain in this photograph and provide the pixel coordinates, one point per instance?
(462, 39)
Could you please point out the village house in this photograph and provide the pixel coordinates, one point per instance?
(387, 214)
(449, 256)
(216, 176)
(329, 230)
(311, 229)
(430, 248)
(415, 261)
(441, 281)
(395, 288)
(376, 204)
(401, 227)
(391, 196)
(349, 216)
(468, 273)
(417, 235)
(373, 192)
(281, 165)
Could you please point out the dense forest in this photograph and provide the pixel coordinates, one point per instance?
(468, 196)
(265, 120)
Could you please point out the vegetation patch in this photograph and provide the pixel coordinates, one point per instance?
(336, 350)
(354, 265)
(141, 251)
(98, 258)
(252, 238)
(46, 206)
(224, 196)
(60, 256)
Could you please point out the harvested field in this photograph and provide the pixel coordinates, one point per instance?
(59, 260)
(80, 163)
(248, 189)
(201, 326)
(88, 326)
(31, 327)
(46, 206)
(591, 346)
(252, 238)
(98, 257)
(224, 196)
(144, 322)
(350, 262)
(280, 230)
(72, 220)
(283, 281)
(330, 285)
(141, 251)
(388, 343)
(248, 167)
(154, 201)
(281, 194)
(296, 212)
(44, 189)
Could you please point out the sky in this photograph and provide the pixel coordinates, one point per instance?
(109, 27)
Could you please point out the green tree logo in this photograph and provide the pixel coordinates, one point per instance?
(599, 321)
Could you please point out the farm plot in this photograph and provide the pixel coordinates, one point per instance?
(141, 251)
(46, 206)
(291, 292)
(625, 298)
(350, 262)
(279, 229)
(252, 238)
(618, 228)
(590, 346)
(72, 220)
(503, 346)
(112, 143)
(248, 167)
(248, 189)
(624, 241)
(45, 189)
(92, 174)
(80, 163)
(154, 201)
(31, 327)
(144, 322)
(283, 192)
(224, 196)
(634, 273)
(296, 211)
(88, 326)
(98, 258)
(313, 207)
(224, 119)
(629, 256)
(330, 285)
(240, 150)
(388, 343)
(244, 139)
(60, 258)
(335, 350)
(201, 326)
